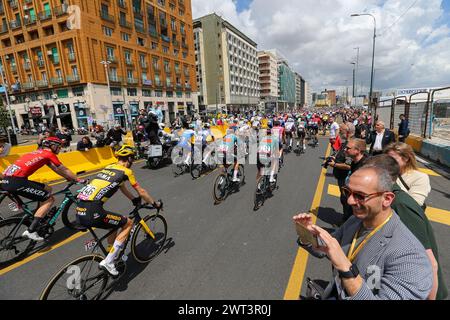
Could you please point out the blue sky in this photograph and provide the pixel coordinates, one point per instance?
(244, 4)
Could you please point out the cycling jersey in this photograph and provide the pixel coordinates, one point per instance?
(228, 144)
(29, 163)
(186, 139)
(279, 132)
(106, 183)
(290, 126)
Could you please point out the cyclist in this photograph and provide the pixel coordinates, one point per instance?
(265, 154)
(187, 141)
(314, 129)
(290, 129)
(90, 211)
(16, 180)
(229, 147)
(279, 132)
(301, 133)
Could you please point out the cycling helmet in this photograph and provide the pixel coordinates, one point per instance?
(206, 125)
(51, 141)
(125, 151)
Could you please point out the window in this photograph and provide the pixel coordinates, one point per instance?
(184, 55)
(58, 73)
(62, 93)
(179, 94)
(158, 93)
(125, 36)
(78, 91)
(127, 56)
(75, 70)
(146, 93)
(107, 31)
(116, 91)
(165, 49)
(44, 76)
(131, 92)
(154, 46)
(110, 52)
(169, 94)
(130, 74)
(141, 42)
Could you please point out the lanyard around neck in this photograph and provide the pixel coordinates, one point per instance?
(353, 252)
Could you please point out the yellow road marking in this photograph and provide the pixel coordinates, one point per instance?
(429, 172)
(438, 215)
(434, 214)
(41, 253)
(298, 270)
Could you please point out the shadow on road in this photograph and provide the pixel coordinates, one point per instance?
(330, 216)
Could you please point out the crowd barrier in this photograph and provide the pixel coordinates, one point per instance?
(77, 161)
(433, 151)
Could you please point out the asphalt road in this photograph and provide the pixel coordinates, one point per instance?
(225, 251)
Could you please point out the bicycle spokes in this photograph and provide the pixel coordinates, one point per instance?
(147, 229)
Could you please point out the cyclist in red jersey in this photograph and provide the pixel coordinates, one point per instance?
(15, 180)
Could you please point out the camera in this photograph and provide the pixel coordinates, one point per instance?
(327, 162)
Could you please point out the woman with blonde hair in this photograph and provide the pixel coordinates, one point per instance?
(411, 180)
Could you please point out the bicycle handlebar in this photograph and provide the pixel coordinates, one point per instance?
(147, 206)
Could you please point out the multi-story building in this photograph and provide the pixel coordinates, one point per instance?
(74, 61)
(308, 95)
(227, 66)
(298, 90)
(268, 77)
(286, 86)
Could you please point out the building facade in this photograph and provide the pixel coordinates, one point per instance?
(268, 77)
(226, 65)
(71, 62)
(286, 86)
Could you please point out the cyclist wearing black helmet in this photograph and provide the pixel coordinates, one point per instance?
(90, 211)
(16, 180)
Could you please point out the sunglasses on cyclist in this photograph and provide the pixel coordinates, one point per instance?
(359, 196)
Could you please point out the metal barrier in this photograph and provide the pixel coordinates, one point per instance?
(429, 113)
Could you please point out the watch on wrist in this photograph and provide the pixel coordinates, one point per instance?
(352, 273)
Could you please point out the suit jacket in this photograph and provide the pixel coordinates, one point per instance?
(388, 137)
(405, 270)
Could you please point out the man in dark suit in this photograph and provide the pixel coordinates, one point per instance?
(403, 130)
(379, 138)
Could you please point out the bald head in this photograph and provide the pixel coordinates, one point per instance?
(372, 179)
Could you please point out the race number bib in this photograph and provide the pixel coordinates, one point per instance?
(86, 192)
(265, 149)
(11, 170)
(223, 148)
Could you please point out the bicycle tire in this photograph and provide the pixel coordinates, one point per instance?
(260, 193)
(220, 185)
(98, 275)
(178, 169)
(196, 171)
(241, 174)
(27, 245)
(69, 221)
(149, 241)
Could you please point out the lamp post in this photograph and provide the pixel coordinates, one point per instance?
(373, 52)
(106, 65)
(5, 86)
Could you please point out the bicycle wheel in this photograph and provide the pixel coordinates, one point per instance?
(143, 246)
(178, 169)
(13, 246)
(69, 218)
(196, 171)
(241, 174)
(260, 193)
(220, 190)
(80, 279)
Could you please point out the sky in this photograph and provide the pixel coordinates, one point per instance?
(319, 38)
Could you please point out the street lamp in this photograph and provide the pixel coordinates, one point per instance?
(373, 52)
(106, 65)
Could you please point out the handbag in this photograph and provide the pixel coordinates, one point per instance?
(424, 206)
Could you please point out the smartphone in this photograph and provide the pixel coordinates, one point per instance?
(306, 236)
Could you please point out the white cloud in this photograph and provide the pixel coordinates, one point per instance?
(318, 37)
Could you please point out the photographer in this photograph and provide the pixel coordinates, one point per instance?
(341, 165)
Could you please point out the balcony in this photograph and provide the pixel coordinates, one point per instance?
(41, 63)
(122, 4)
(14, 4)
(154, 34)
(42, 83)
(28, 1)
(115, 79)
(72, 56)
(27, 66)
(30, 20)
(13, 68)
(165, 38)
(73, 78)
(45, 15)
(139, 28)
(169, 85)
(147, 82)
(57, 81)
(187, 86)
(125, 24)
(55, 61)
(106, 16)
(111, 59)
(181, 3)
(28, 85)
(138, 13)
(61, 10)
(132, 81)
(15, 24)
(158, 83)
(3, 28)
(179, 86)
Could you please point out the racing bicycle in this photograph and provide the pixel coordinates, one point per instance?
(82, 279)
(224, 185)
(13, 246)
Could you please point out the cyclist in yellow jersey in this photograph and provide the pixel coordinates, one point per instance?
(90, 211)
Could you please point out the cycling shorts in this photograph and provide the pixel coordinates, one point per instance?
(32, 190)
(301, 134)
(91, 214)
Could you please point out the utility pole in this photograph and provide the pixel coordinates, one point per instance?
(356, 72)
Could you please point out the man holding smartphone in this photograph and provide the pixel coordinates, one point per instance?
(374, 255)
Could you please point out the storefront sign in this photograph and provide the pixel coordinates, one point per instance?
(36, 111)
(118, 110)
(63, 108)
